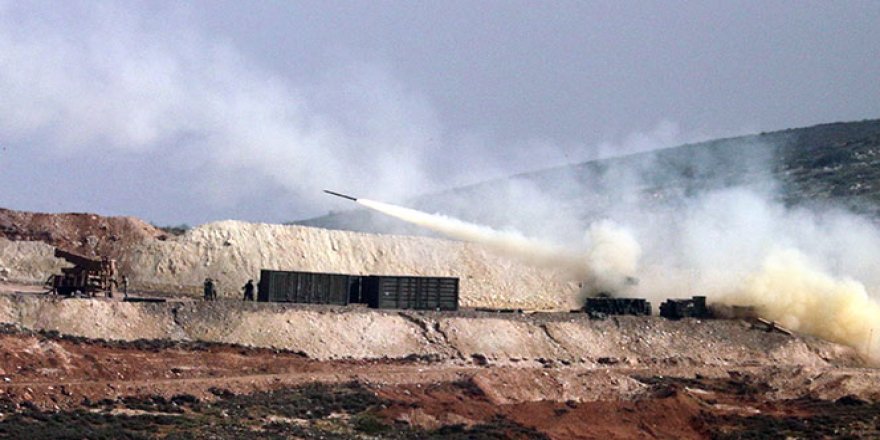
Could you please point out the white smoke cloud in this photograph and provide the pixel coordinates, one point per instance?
(795, 292)
(97, 80)
(811, 270)
(108, 79)
(509, 243)
(612, 258)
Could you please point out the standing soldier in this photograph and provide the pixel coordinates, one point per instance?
(210, 290)
(125, 286)
(249, 290)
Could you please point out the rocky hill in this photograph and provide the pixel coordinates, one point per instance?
(831, 164)
(86, 234)
(233, 252)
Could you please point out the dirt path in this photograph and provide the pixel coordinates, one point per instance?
(7, 288)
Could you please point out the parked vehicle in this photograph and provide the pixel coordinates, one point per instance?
(685, 308)
(88, 276)
(604, 306)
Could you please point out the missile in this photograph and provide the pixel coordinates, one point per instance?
(340, 195)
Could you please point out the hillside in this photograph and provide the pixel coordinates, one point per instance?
(830, 164)
(233, 252)
(86, 234)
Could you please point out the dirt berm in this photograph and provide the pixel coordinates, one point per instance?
(467, 337)
(233, 252)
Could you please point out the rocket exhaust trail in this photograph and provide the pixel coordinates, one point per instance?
(513, 244)
(609, 263)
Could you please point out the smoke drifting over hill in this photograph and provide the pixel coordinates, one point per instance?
(790, 289)
(810, 269)
(125, 84)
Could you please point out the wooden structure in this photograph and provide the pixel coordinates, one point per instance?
(88, 276)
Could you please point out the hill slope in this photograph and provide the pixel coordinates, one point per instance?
(233, 252)
(833, 164)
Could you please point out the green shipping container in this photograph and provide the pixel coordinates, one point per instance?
(407, 292)
(306, 287)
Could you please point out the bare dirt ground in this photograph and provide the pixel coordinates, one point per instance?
(46, 376)
(103, 368)
(6, 288)
(86, 234)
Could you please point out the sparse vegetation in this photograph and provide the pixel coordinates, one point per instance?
(825, 419)
(174, 231)
(313, 411)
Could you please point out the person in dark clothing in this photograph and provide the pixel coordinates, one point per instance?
(125, 285)
(249, 290)
(210, 290)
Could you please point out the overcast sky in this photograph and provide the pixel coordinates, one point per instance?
(192, 112)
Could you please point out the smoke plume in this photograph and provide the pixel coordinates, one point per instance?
(812, 270)
(608, 262)
(791, 290)
(612, 258)
(98, 81)
(509, 243)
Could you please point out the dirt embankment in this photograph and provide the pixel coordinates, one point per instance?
(28, 261)
(466, 337)
(228, 369)
(85, 234)
(233, 252)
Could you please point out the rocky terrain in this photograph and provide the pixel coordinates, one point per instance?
(86, 234)
(186, 368)
(105, 368)
(93, 368)
(233, 252)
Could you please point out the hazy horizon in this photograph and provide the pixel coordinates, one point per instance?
(203, 111)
